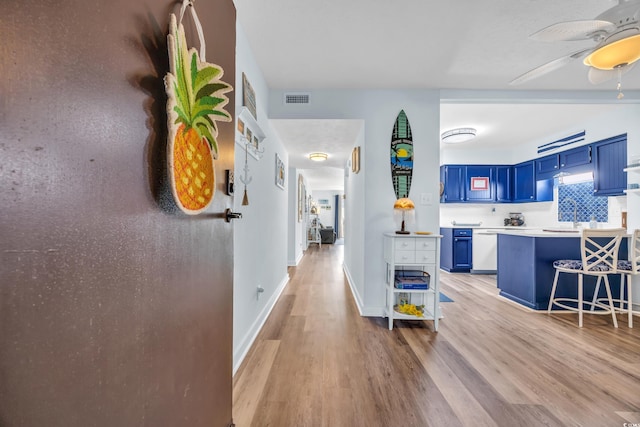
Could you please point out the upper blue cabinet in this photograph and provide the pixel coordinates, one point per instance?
(524, 178)
(610, 158)
(480, 183)
(575, 160)
(452, 176)
(532, 181)
(504, 184)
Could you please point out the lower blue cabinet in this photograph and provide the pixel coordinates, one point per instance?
(456, 250)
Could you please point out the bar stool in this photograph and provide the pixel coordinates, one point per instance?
(626, 269)
(599, 258)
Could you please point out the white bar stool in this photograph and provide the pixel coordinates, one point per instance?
(599, 258)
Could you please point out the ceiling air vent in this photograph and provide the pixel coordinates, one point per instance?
(296, 98)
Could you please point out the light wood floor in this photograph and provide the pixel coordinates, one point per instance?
(492, 363)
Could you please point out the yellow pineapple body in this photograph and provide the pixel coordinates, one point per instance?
(193, 170)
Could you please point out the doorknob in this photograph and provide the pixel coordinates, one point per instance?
(228, 215)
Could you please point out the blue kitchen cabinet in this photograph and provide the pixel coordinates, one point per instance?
(576, 160)
(453, 178)
(480, 183)
(456, 250)
(547, 167)
(610, 158)
(524, 178)
(504, 184)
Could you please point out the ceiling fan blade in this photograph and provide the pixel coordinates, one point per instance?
(549, 67)
(597, 76)
(573, 30)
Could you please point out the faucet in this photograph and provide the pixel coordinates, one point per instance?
(575, 211)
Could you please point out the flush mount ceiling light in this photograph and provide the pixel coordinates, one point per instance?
(454, 136)
(318, 157)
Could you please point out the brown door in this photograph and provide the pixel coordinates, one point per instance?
(115, 309)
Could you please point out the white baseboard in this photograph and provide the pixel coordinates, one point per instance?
(364, 311)
(241, 351)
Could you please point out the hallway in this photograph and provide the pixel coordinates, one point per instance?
(317, 362)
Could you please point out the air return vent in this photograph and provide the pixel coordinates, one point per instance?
(296, 98)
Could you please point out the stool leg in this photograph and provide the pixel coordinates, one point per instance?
(595, 294)
(622, 277)
(611, 307)
(580, 300)
(629, 301)
(553, 291)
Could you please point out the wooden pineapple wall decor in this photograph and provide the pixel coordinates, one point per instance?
(196, 100)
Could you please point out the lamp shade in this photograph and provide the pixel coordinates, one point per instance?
(404, 204)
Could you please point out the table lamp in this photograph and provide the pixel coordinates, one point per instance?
(403, 206)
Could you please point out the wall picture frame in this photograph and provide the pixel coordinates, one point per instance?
(249, 96)
(280, 172)
(301, 198)
(479, 183)
(355, 160)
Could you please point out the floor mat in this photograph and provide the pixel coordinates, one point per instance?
(444, 298)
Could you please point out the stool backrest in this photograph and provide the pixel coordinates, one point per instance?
(634, 252)
(600, 247)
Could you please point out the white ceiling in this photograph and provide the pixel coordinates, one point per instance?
(462, 44)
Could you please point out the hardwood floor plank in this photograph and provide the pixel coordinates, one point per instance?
(249, 386)
(317, 362)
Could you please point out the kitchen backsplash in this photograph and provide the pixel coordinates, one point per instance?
(541, 214)
(586, 204)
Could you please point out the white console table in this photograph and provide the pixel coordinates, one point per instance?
(418, 251)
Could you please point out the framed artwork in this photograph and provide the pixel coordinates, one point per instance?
(249, 135)
(300, 198)
(241, 126)
(256, 142)
(355, 160)
(248, 96)
(279, 172)
(479, 183)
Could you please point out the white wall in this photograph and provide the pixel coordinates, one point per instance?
(354, 227)
(326, 216)
(374, 198)
(260, 237)
(297, 241)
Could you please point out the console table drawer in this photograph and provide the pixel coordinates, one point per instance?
(405, 257)
(425, 245)
(405, 244)
(427, 257)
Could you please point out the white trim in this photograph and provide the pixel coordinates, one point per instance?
(366, 311)
(297, 261)
(241, 351)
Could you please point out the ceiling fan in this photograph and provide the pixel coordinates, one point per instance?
(616, 33)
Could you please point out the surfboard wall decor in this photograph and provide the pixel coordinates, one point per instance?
(401, 156)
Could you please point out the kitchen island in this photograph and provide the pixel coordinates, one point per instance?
(525, 266)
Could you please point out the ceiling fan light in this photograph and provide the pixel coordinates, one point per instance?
(318, 157)
(454, 136)
(616, 54)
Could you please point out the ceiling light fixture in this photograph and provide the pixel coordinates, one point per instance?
(318, 157)
(454, 136)
(615, 55)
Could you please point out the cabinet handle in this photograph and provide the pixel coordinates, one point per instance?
(562, 165)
